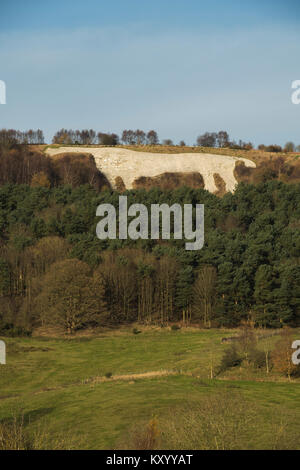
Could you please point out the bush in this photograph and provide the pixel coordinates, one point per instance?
(135, 331)
(143, 437)
(257, 358)
(175, 327)
(224, 420)
(282, 355)
(12, 331)
(15, 435)
(231, 358)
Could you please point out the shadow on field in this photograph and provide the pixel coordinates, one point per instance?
(27, 418)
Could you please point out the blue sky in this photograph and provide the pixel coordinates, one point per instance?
(180, 67)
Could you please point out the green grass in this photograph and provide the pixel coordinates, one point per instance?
(33, 363)
(45, 378)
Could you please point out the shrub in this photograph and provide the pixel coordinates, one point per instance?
(224, 420)
(15, 435)
(257, 358)
(175, 327)
(231, 358)
(143, 437)
(135, 331)
(282, 355)
(12, 331)
(218, 422)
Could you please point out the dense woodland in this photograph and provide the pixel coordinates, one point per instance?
(54, 271)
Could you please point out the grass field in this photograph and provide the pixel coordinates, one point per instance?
(60, 384)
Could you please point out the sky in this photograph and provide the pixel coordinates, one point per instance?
(181, 67)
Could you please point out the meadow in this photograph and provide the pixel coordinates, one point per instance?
(95, 391)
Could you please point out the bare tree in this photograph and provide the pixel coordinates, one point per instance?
(204, 293)
(222, 139)
(128, 137)
(207, 140)
(167, 142)
(152, 138)
(140, 137)
(289, 147)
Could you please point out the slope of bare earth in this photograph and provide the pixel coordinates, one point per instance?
(131, 165)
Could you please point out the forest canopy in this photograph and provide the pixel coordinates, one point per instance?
(248, 269)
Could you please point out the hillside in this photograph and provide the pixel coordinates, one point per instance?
(169, 167)
(128, 166)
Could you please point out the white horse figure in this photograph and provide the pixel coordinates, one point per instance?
(2, 352)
